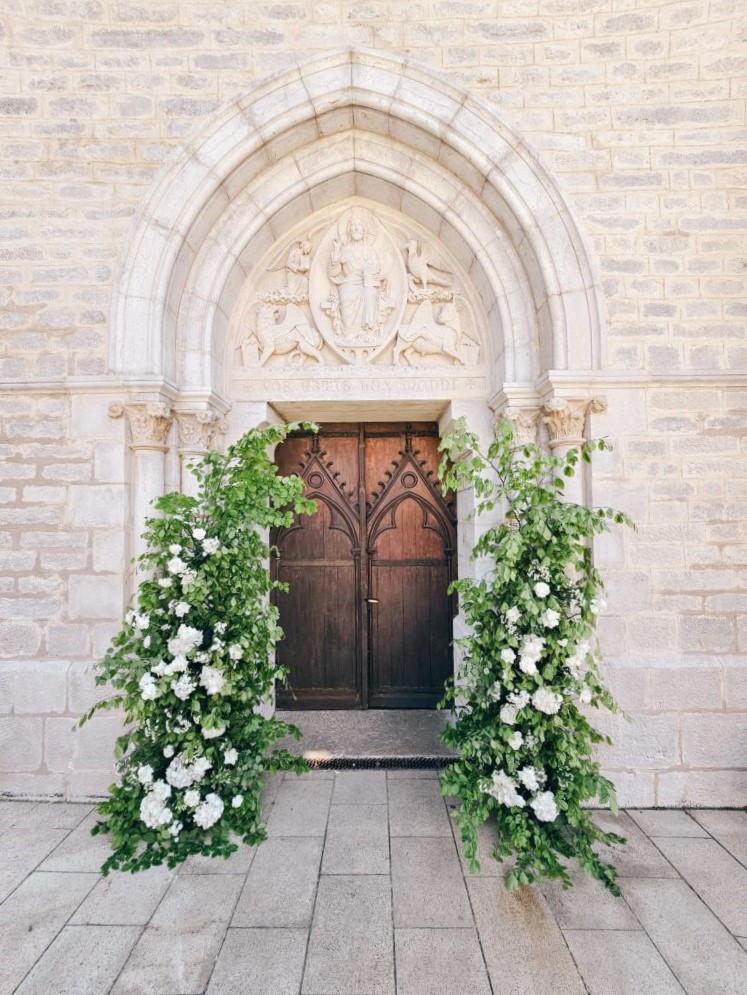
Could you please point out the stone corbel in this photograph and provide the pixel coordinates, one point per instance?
(149, 422)
(566, 420)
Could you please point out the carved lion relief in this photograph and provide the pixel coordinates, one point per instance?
(356, 292)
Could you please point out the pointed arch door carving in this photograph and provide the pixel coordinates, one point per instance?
(367, 617)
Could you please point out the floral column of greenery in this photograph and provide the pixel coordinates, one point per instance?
(193, 663)
(525, 745)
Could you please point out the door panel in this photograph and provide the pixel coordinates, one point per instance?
(367, 619)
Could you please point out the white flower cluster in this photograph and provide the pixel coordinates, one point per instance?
(208, 811)
(182, 773)
(505, 790)
(531, 650)
(547, 701)
(516, 701)
(212, 679)
(154, 811)
(185, 641)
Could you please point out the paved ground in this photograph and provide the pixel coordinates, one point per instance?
(360, 891)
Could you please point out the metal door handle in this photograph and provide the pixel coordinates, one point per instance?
(372, 601)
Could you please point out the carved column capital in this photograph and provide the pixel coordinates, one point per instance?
(524, 421)
(565, 419)
(149, 422)
(198, 429)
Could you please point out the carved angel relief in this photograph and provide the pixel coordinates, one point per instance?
(352, 293)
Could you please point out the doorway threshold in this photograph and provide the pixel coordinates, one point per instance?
(370, 738)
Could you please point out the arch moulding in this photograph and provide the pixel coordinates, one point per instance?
(353, 127)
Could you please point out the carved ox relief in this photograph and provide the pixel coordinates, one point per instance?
(355, 291)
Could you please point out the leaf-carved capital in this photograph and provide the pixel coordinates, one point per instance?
(198, 429)
(149, 421)
(524, 421)
(565, 419)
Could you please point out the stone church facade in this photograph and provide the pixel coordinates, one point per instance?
(217, 216)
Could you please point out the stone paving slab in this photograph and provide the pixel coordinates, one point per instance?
(320, 909)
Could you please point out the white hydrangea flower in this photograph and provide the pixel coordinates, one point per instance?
(212, 679)
(175, 549)
(515, 740)
(161, 790)
(220, 627)
(188, 578)
(528, 777)
(200, 766)
(165, 582)
(237, 801)
(198, 534)
(550, 618)
(513, 615)
(179, 774)
(494, 692)
(504, 789)
(175, 828)
(177, 666)
(211, 546)
(585, 695)
(145, 774)
(508, 655)
(541, 589)
(185, 641)
(154, 813)
(181, 608)
(208, 812)
(231, 756)
(519, 698)
(146, 642)
(192, 798)
(532, 647)
(546, 701)
(148, 687)
(168, 751)
(142, 621)
(597, 605)
(176, 565)
(508, 714)
(213, 733)
(235, 651)
(527, 665)
(544, 806)
(184, 687)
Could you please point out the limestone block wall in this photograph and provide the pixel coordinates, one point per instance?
(637, 108)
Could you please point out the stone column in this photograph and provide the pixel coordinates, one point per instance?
(566, 427)
(149, 423)
(197, 433)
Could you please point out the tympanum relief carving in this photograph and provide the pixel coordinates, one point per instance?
(356, 291)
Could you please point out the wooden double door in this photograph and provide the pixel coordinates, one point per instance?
(367, 616)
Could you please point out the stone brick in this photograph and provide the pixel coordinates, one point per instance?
(735, 687)
(68, 639)
(16, 559)
(88, 748)
(706, 633)
(708, 789)
(96, 505)
(687, 689)
(717, 740)
(19, 639)
(83, 692)
(41, 689)
(109, 552)
(20, 743)
(641, 742)
(95, 596)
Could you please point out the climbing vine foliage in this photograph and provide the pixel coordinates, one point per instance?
(529, 668)
(194, 662)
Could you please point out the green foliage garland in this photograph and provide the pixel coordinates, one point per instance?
(193, 663)
(525, 746)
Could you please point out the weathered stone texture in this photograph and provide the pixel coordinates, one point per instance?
(639, 113)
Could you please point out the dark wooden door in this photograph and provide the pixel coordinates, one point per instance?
(367, 617)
